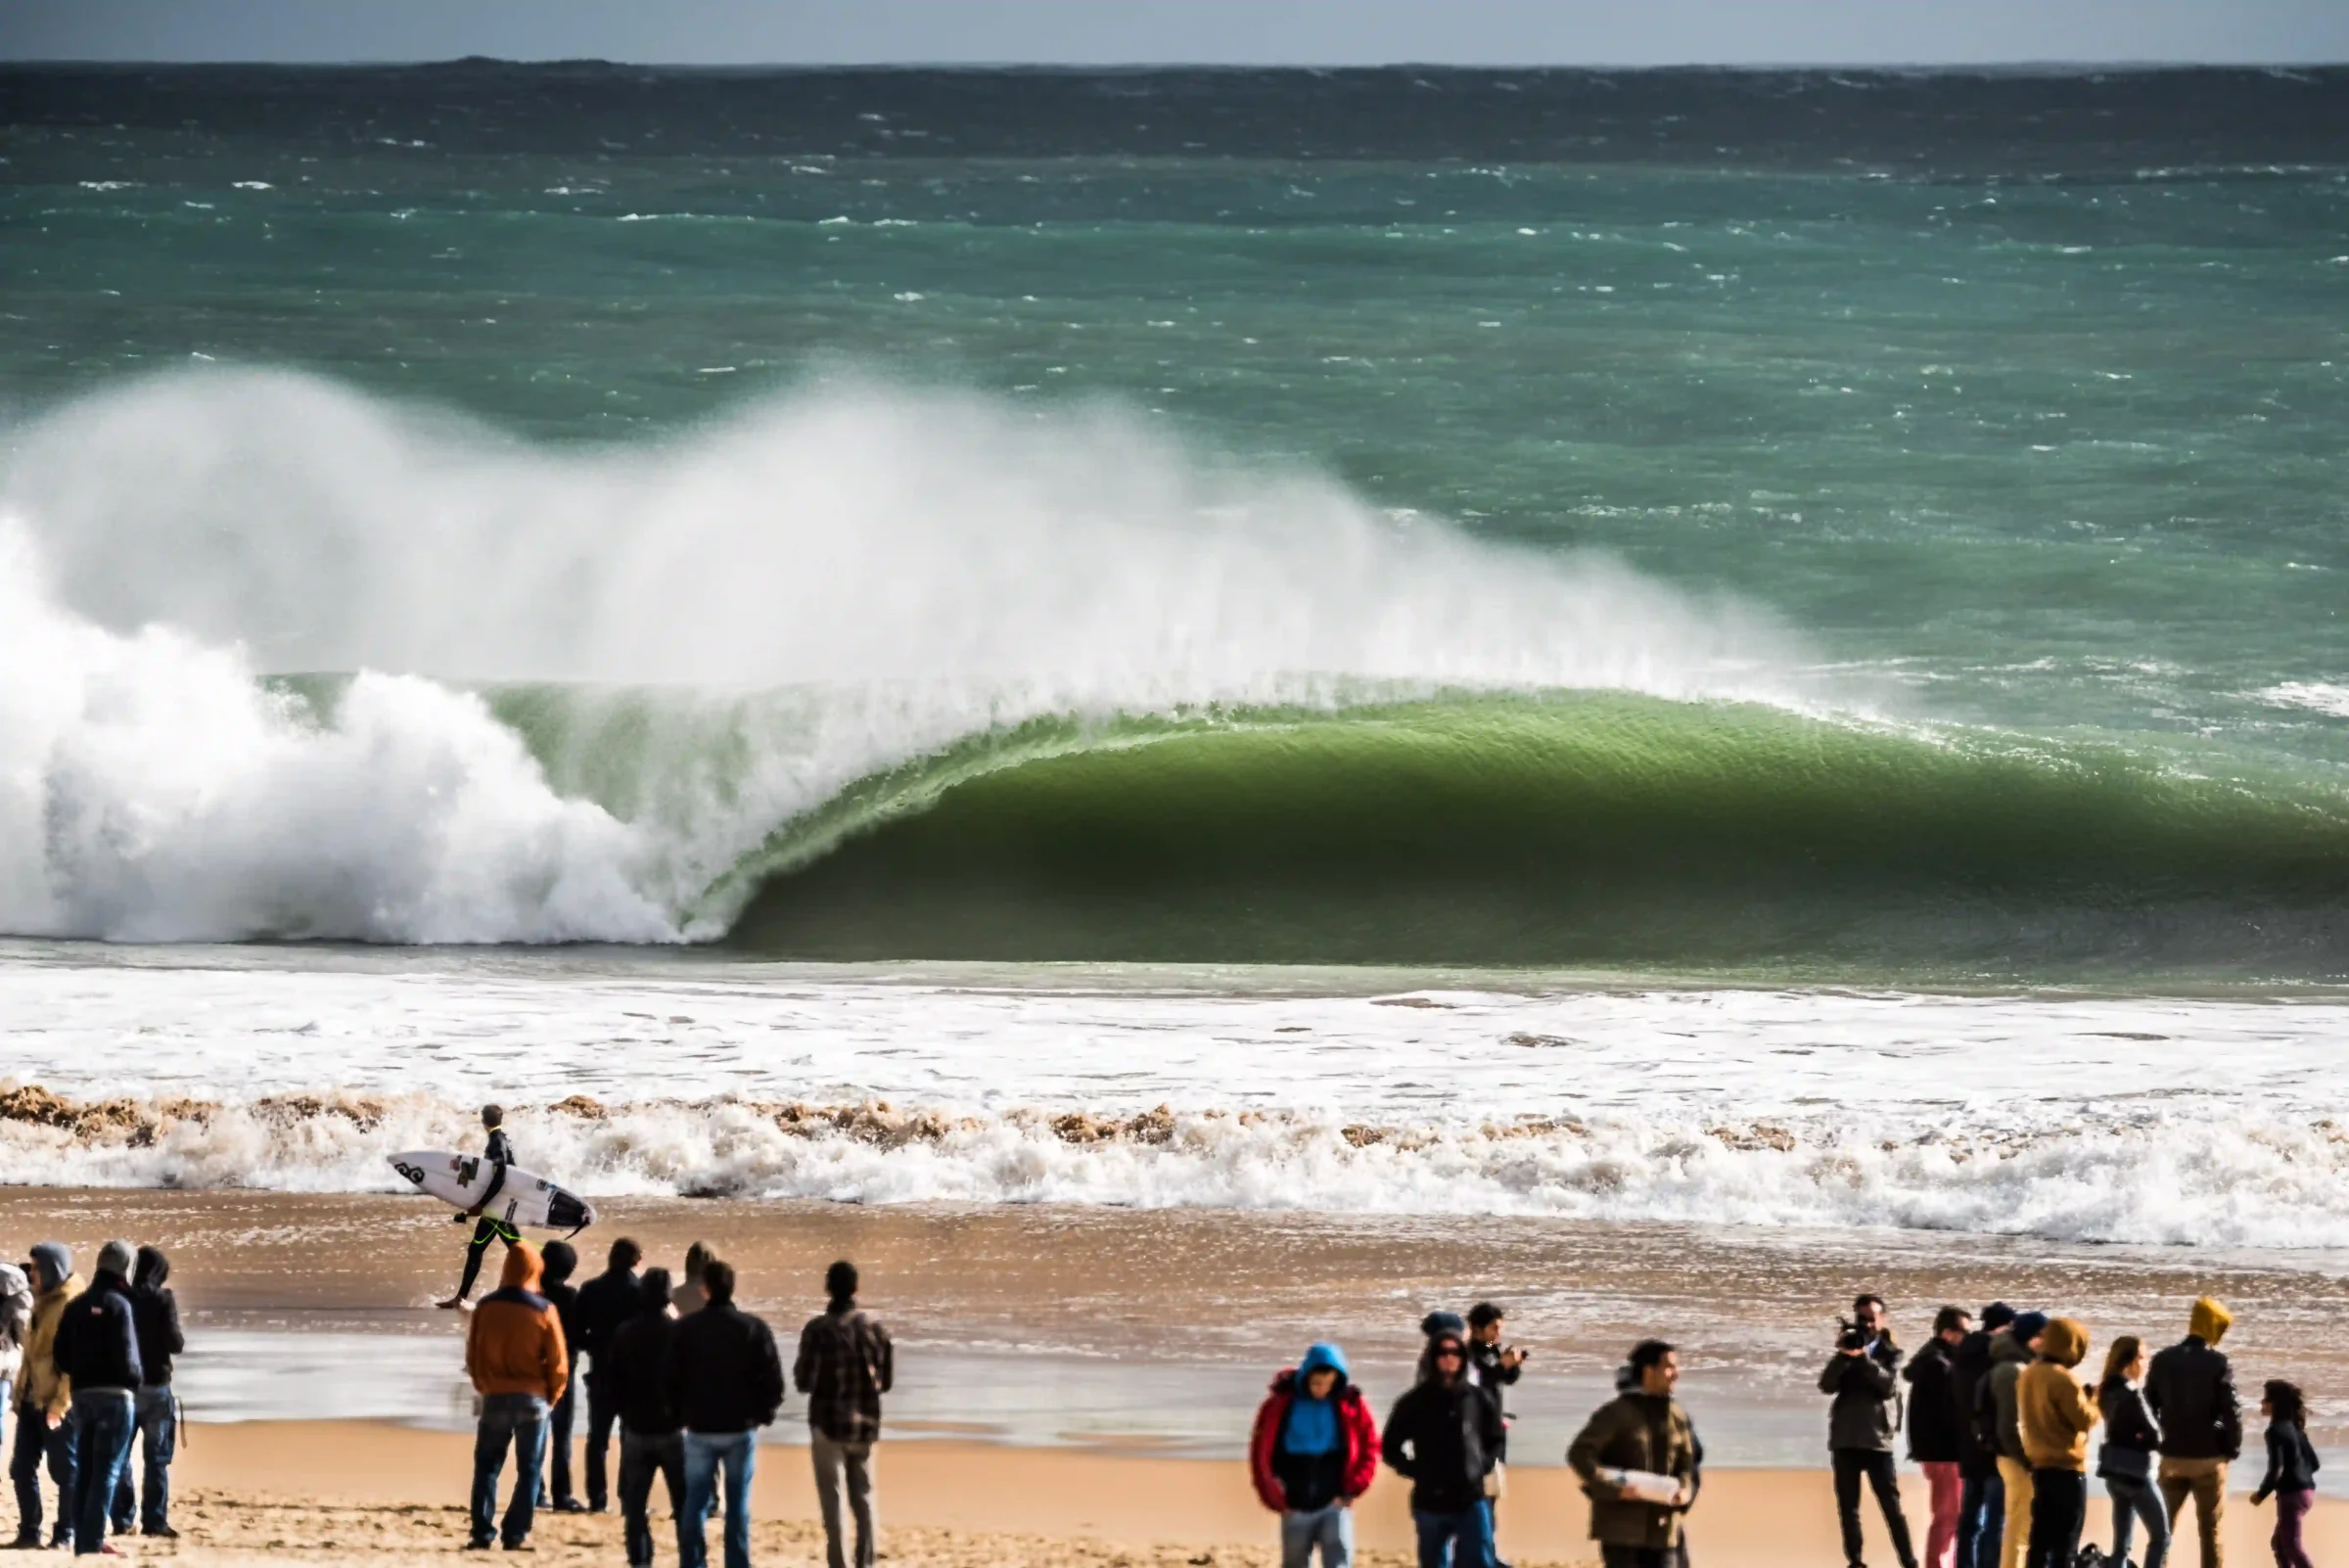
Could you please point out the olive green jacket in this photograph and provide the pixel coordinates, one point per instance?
(1634, 1432)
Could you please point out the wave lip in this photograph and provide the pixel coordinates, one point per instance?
(2205, 1182)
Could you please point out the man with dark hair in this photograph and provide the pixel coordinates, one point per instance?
(98, 1356)
(636, 1361)
(1441, 1437)
(1939, 1431)
(560, 1261)
(725, 1381)
(845, 1364)
(156, 1312)
(1982, 1505)
(500, 1154)
(1637, 1460)
(610, 1300)
(1497, 1366)
(1864, 1378)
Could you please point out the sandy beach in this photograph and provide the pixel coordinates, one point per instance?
(360, 1492)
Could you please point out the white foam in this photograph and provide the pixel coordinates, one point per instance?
(2318, 696)
(914, 568)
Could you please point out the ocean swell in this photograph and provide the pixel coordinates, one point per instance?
(2147, 1179)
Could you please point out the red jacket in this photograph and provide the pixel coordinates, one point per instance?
(1355, 1422)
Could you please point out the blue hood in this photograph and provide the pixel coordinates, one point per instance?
(51, 1264)
(1319, 1357)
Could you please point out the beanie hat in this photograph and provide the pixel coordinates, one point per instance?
(1443, 1322)
(2028, 1327)
(117, 1258)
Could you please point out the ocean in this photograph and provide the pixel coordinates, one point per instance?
(1686, 645)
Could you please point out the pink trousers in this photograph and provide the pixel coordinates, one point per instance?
(1941, 1537)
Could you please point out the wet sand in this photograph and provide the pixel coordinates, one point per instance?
(345, 1492)
(1157, 1327)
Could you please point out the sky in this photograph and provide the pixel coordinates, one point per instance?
(1324, 32)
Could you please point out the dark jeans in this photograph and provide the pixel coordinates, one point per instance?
(1876, 1469)
(159, 1443)
(38, 1441)
(2292, 1513)
(641, 1457)
(602, 1417)
(105, 1420)
(518, 1421)
(558, 1444)
(2058, 1510)
(705, 1454)
(1454, 1539)
(1639, 1557)
(1981, 1520)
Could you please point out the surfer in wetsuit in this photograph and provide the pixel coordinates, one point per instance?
(486, 1229)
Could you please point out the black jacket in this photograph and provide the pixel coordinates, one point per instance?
(155, 1314)
(633, 1373)
(1968, 1369)
(607, 1302)
(1866, 1411)
(2128, 1423)
(724, 1374)
(1444, 1438)
(1938, 1430)
(98, 1338)
(2190, 1390)
(2292, 1462)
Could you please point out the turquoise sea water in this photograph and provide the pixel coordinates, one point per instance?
(2018, 404)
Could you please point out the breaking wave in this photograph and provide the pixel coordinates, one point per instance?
(2252, 1184)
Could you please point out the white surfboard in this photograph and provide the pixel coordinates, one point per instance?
(527, 1199)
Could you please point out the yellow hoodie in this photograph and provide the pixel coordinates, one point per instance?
(2210, 1321)
(2052, 1409)
(45, 1391)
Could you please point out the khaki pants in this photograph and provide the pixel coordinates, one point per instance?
(852, 1462)
(2017, 1535)
(2204, 1481)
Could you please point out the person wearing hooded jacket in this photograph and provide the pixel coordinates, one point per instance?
(1442, 1436)
(606, 1304)
(97, 1350)
(1863, 1379)
(514, 1354)
(558, 1262)
(1312, 1454)
(1994, 1424)
(155, 1310)
(2054, 1416)
(634, 1366)
(1641, 1429)
(1982, 1503)
(44, 1398)
(2190, 1390)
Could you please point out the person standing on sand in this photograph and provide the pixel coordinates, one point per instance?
(44, 1400)
(1642, 1432)
(1864, 1378)
(845, 1364)
(689, 1297)
(2291, 1476)
(1442, 1436)
(559, 1260)
(2055, 1413)
(1312, 1455)
(16, 1322)
(726, 1381)
(1497, 1366)
(1994, 1424)
(2190, 1390)
(1982, 1505)
(2126, 1460)
(514, 1354)
(1937, 1429)
(652, 1441)
(500, 1154)
(606, 1302)
(97, 1350)
(155, 1312)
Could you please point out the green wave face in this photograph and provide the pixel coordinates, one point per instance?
(1598, 830)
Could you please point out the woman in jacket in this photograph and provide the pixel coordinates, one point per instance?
(2126, 1460)
(2291, 1476)
(1313, 1453)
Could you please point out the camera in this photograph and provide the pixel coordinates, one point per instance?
(1850, 1336)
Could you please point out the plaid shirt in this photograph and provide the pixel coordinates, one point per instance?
(845, 1364)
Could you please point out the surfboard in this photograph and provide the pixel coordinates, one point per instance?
(527, 1199)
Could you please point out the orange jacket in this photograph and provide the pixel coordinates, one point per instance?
(515, 1345)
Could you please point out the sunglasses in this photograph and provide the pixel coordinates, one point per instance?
(1448, 1356)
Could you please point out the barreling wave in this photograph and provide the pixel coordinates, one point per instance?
(2250, 1182)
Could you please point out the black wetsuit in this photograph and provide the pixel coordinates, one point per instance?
(486, 1229)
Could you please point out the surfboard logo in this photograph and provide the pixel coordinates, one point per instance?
(467, 1170)
(414, 1175)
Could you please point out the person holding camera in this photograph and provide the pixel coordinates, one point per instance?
(1863, 1377)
